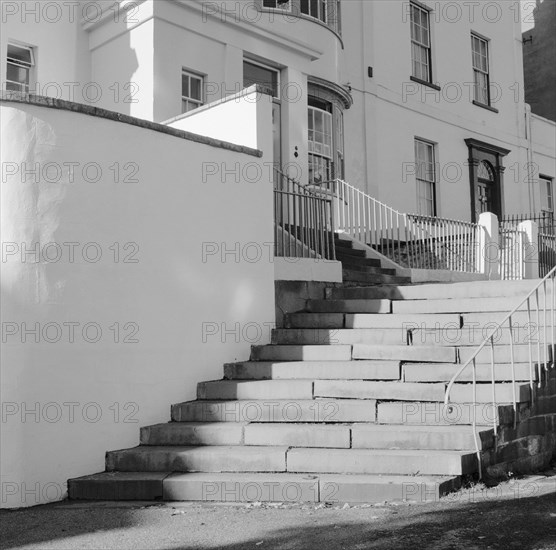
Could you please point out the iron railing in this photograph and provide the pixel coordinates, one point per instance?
(538, 341)
(303, 221)
(545, 221)
(512, 261)
(547, 253)
(410, 240)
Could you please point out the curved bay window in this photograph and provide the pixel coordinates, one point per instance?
(326, 12)
(326, 132)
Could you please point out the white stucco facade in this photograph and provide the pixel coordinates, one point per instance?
(131, 62)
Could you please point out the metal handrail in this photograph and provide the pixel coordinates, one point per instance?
(427, 240)
(303, 221)
(490, 339)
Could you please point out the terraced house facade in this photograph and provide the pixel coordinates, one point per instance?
(188, 184)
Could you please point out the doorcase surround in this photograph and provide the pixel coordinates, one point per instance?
(492, 156)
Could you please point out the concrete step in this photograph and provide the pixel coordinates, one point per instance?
(375, 461)
(448, 335)
(365, 320)
(197, 459)
(348, 259)
(435, 291)
(350, 252)
(405, 353)
(502, 354)
(193, 433)
(299, 435)
(311, 336)
(260, 487)
(391, 436)
(314, 370)
(463, 393)
(421, 321)
(455, 305)
(354, 265)
(255, 389)
(490, 319)
(435, 414)
(276, 410)
(356, 276)
(241, 487)
(439, 372)
(118, 486)
(349, 306)
(314, 320)
(471, 336)
(371, 488)
(300, 353)
(397, 391)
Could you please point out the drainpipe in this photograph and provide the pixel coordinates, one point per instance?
(530, 165)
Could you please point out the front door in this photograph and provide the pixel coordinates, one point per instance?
(486, 189)
(485, 178)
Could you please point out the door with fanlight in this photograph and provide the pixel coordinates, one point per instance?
(486, 171)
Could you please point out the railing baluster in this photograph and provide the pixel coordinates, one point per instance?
(530, 348)
(493, 382)
(512, 360)
(475, 436)
(538, 339)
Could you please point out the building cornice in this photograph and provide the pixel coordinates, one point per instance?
(217, 13)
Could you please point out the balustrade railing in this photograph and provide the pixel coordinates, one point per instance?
(303, 221)
(410, 240)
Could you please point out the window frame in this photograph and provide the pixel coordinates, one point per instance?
(328, 11)
(422, 181)
(266, 67)
(417, 43)
(323, 7)
(29, 67)
(334, 160)
(484, 71)
(285, 6)
(189, 99)
(547, 197)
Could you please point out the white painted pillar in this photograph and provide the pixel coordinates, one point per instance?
(530, 249)
(489, 248)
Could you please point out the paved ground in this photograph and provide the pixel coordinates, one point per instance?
(517, 515)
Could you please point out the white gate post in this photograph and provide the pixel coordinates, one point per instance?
(531, 249)
(489, 246)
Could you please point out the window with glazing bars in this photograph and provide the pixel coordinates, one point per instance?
(426, 178)
(420, 43)
(20, 60)
(192, 90)
(277, 4)
(479, 47)
(315, 8)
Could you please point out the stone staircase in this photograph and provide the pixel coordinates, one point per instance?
(358, 267)
(345, 405)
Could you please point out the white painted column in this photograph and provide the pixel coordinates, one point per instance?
(489, 248)
(530, 249)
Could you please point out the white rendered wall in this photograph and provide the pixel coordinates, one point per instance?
(172, 214)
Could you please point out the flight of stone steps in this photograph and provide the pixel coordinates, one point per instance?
(345, 405)
(358, 268)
